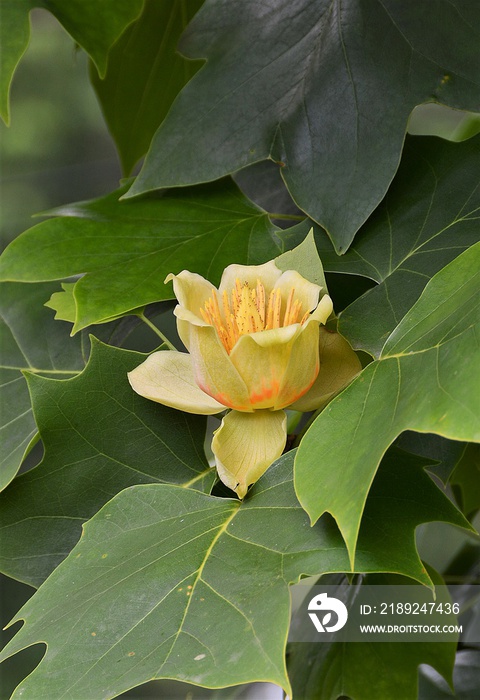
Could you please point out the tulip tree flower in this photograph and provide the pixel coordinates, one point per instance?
(255, 347)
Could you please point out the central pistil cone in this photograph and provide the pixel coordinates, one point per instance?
(246, 310)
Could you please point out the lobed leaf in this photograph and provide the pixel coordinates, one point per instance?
(30, 340)
(305, 84)
(128, 248)
(429, 216)
(143, 76)
(424, 381)
(446, 453)
(161, 583)
(99, 438)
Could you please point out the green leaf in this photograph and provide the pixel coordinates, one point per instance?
(306, 84)
(176, 690)
(63, 303)
(161, 583)
(99, 437)
(465, 679)
(431, 213)
(424, 381)
(305, 260)
(362, 670)
(428, 217)
(65, 307)
(94, 24)
(446, 453)
(128, 248)
(433, 119)
(144, 75)
(467, 477)
(30, 340)
(263, 184)
(402, 497)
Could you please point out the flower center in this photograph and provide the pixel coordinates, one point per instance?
(246, 310)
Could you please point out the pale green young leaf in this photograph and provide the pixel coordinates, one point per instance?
(63, 303)
(305, 260)
(433, 119)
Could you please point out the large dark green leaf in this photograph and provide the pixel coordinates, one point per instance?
(429, 216)
(144, 74)
(361, 670)
(99, 438)
(324, 88)
(30, 340)
(169, 582)
(94, 24)
(424, 381)
(128, 248)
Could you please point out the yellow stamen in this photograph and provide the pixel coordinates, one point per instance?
(226, 305)
(261, 301)
(288, 310)
(245, 311)
(206, 316)
(215, 309)
(269, 323)
(304, 318)
(277, 305)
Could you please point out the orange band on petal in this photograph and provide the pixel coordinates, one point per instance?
(224, 399)
(266, 392)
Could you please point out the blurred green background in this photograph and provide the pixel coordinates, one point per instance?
(57, 148)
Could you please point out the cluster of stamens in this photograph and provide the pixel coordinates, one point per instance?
(246, 310)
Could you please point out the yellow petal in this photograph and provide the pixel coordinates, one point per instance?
(262, 360)
(323, 310)
(268, 274)
(302, 368)
(213, 370)
(167, 377)
(306, 292)
(245, 446)
(338, 366)
(191, 290)
(185, 320)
